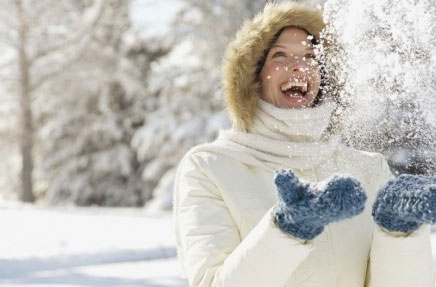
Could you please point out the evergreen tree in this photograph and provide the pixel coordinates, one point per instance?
(89, 116)
(186, 84)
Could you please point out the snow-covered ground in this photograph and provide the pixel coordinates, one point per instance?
(87, 247)
(72, 247)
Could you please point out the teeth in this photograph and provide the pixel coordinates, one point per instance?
(289, 85)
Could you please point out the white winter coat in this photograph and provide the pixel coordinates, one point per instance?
(226, 236)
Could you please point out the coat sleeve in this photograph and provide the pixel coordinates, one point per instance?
(209, 245)
(399, 260)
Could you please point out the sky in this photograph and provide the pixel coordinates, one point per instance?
(152, 17)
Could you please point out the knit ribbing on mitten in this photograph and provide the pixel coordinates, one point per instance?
(304, 229)
(405, 203)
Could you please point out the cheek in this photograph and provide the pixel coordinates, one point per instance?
(315, 73)
(271, 72)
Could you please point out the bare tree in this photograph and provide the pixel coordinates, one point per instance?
(46, 42)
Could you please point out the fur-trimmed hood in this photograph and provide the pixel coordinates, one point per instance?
(241, 88)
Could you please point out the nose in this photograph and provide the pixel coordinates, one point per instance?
(297, 65)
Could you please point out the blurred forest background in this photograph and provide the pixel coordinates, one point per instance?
(100, 99)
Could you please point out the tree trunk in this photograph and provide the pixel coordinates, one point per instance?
(26, 111)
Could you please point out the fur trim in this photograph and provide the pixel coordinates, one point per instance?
(240, 85)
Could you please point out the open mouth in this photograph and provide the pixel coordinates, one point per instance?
(295, 89)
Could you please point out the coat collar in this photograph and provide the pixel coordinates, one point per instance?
(281, 138)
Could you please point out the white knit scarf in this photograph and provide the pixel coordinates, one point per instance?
(282, 138)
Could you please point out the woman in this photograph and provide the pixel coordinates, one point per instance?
(238, 220)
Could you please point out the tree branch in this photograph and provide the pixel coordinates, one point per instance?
(77, 54)
(6, 39)
(8, 62)
(90, 18)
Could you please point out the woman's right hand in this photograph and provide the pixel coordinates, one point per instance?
(304, 209)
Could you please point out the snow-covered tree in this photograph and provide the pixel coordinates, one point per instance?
(35, 33)
(9, 147)
(90, 115)
(87, 72)
(186, 83)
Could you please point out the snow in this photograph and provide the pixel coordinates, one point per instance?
(69, 246)
(129, 247)
(384, 64)
(385, 54)
(163, 193)
(88, 247)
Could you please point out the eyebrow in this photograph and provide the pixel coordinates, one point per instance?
(281, 46)
(278, 46)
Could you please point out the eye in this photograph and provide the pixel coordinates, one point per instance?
(312, 59)
(278, 54)
(310, 56)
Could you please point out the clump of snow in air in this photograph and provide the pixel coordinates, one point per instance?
(383, 53)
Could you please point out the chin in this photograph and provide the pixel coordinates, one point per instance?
(296, 105)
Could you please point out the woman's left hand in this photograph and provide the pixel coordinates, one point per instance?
(405, 203)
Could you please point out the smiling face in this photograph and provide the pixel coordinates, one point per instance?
(290, 76)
